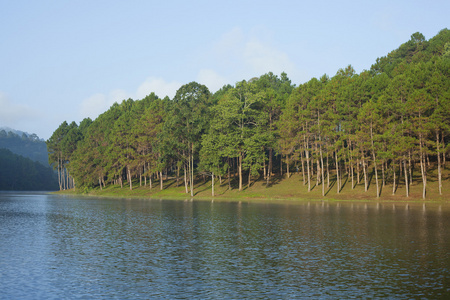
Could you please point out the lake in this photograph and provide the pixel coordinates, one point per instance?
(61, 247)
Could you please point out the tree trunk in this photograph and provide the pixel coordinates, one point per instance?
(264, 169)
(307, 165)
(185, 180)
(281, 165)
(317, 165)
(338, 183)
(352, 168)
(318, 171)
(229, 176)
(178, 174)
(212, 184)
(376, 173)
(63, 178)
(303, 167)
(192, 171)
(145, 176)
(287, 166)
(423, 167)
(328, 173)
(358, 175)
(269, 167)
(439, 163)
(189, 173)
(393, 185)
(129, 178)
(161, 180)
(410, 168)
(351, 163)
(406, 177)
(443, 153)
(59, 174)
(150, 181)
(240, 171)
(323, 179)
(374, 160)
(366, 183)
(67, 179)
(235, 166)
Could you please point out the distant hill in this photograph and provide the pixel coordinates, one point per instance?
(24, 144)
(19, 132)
(18, 173)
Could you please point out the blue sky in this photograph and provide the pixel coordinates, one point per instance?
(67, 60)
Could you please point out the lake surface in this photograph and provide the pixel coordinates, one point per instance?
(56, 247)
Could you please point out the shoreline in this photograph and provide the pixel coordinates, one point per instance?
(282, 190)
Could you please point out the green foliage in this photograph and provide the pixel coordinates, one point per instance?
(22, 174)
(26, 145)
(394, 114)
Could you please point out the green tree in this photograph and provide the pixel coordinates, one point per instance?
(56, 156)
(148, 130)
(188, 121)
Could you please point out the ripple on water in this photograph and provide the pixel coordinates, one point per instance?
(56, 247)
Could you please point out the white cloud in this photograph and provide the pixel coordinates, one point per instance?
(93, 106)
(13, 114)
(230, 46)
(21, 116)
(117, 96)
(158, 86)
(263, 58)
(240, 56)
(99, 103)
(234, 57)
(384, 20)
(211, 79)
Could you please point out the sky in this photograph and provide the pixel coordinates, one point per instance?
(68, 60)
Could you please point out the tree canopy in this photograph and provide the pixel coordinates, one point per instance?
(381, 125)
(20, 173)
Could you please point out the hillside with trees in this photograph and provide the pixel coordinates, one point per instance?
(19, 173)
(24, 163)
(26, 145)
(388, 125)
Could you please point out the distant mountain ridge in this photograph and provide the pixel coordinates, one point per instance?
(18, 173)
(24, 144)
(19, 132)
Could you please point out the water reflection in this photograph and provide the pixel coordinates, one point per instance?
(55, 247)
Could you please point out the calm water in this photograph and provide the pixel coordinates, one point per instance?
(54, 247)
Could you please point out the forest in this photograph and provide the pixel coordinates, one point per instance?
(27, 145)
(381, 126)
(24, 163)
(20, 173)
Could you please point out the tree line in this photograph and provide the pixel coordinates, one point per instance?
(27, 145)
(20, 173)
(385, 123)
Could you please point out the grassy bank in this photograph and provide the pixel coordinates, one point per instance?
(280, 188)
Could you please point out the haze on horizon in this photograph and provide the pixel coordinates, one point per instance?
(70, 60)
